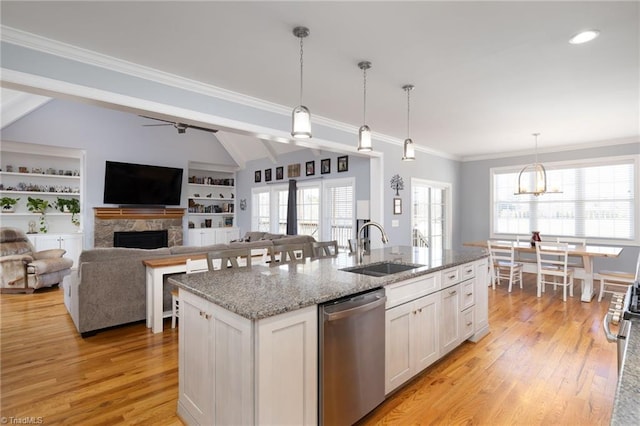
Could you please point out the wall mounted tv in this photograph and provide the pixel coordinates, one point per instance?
(139, 184)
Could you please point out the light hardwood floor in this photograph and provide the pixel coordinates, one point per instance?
(544, 362)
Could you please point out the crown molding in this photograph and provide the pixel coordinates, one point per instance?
(89, 57)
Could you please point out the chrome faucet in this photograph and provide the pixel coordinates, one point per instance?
(360, 242)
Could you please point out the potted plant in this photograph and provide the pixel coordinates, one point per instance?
(40, 206)
(8, 204)
(69, 205)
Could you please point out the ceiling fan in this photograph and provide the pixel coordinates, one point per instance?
(181, 127)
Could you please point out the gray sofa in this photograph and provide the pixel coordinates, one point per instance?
(109, 287)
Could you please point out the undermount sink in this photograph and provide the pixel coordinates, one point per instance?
(382, 269)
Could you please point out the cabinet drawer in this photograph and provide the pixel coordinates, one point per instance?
(450, 277)
(467, 297)
(406, 291)
(467, 327)
(467, 271)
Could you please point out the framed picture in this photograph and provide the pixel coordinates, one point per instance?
(279, 173)
(397, 206)
(325, 166)
(311, 168)
(257, 176)
(267, 175)
(293, 170)
(343, 163)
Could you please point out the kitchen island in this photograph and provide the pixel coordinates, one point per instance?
(248, 338)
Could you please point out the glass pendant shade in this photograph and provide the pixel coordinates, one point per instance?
(301, 122)
(409, 153)
(364, 138)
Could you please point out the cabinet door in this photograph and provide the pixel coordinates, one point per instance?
(46, 242)
(287, 369)
(72, 243)
(426, 348)
(466, 323)
(482, 300)
(398, 347)
(195, 374)
(467, 290)
(450, 319)
(195, 237)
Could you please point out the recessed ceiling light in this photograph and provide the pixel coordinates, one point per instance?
(584, 36)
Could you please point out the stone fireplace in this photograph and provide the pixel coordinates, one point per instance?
(110, 220)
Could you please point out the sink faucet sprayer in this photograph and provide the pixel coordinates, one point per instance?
(360, 244)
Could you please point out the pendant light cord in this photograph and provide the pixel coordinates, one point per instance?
(364, 109)
(301, 66)
(408, 110)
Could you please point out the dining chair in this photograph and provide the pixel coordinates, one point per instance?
(285, 254)
(574, 261)
(502, 264)
(552, 259)
(192, 267)
(324, 249)
(620, 281)
(229, 258)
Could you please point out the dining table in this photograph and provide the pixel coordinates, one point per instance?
(584, 271)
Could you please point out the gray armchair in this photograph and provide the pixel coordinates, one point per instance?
(23, 270)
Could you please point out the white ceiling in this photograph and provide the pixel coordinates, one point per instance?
(487, 74)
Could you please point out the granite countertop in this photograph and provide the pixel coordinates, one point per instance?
(264, 291)
(625, 406)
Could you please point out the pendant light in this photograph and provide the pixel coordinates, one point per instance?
(408, 152)
(535, 171)
(364, 133)
(301, 117)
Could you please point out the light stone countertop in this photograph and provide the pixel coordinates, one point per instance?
(264, 291)
(627, 400)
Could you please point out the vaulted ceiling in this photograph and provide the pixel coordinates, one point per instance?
(487, 74)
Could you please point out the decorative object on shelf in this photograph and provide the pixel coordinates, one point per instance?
(191, 225)
(69, 205)
(8, 204)
(257, 176)
(23, 169)
(301, 117)
(196, 195)
(364, 133)
(9, 168)
(397, 184)
(40, 206)
(293, 170)
(535, 237)
(325, 166)
(535, 172)
(32, 227)
(397, 206)
(267, 175)
(279, 173)
(408, 152)
(343, 163)
(310, 167)
(243, 204)
(207, 223)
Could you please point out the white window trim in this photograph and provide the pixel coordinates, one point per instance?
(574, 163)
(324, 214)
(448, 194)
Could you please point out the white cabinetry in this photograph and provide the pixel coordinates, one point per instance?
(226, 361)
(411, 333)
(429, 316)
(208, 236)
(211, 196)
(45, 172)
(72, 243)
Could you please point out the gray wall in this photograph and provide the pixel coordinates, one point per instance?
(106, 134)
(475, 206)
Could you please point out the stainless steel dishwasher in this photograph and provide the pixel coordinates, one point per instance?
(351, 346)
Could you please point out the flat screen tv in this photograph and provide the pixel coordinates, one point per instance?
(140, 184)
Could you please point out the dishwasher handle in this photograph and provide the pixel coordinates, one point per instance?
(339, 314)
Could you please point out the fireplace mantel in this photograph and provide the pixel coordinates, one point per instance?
(126, 219)
(138, 213)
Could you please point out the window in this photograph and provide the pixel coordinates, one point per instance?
(262, 217)
(309, 210)
(598, 201)
(431, 214)
(339, 212)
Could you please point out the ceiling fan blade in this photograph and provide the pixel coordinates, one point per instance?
(204, 129)
(158, 119)
(154, 125)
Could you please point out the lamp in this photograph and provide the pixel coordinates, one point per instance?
(408, 152)
(364, 133)
(301, 117)
(535, 171)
